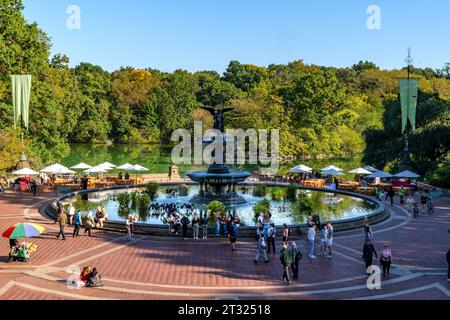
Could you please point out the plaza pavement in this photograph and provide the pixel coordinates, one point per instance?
(170, 268)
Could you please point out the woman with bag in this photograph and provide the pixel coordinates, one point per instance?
(386, 260)
(89, 223)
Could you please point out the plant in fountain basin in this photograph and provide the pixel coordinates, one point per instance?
(261, 207)
(152, 190)
(217, 208)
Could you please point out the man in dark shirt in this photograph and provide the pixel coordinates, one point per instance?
(368, 253)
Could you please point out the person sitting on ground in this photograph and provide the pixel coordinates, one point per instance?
(85, 273)
(95, 279)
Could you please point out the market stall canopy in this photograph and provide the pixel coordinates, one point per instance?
(96, 169)
(125, 166)
(64, 171)
(361, 171)
(331, 172)
(380, 174)
(25, 172)
(332, 168)
(407, 174)
(371, 169)
(53, 167)
(81, 166)
(301, 169)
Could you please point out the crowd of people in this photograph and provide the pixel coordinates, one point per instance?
(72, 217)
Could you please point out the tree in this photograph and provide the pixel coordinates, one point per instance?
(362, 66)
(244, 76)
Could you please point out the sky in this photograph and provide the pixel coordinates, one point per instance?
(199, 35)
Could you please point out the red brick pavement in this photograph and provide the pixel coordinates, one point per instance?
(168, 268)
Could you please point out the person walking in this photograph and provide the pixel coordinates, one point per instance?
(233, 235)
(62, 221)
(261, 249)
(70, 213)
(77, 224)
(423, 201)
(368, 234)
(217, 224)
(312, 240)
(205, 223)
(297, 256)
(286, 260)
(271, 233)
(386, 259)
(185, 222)
(89, 223)
(34, 187)
(390, 194)
(368, 253)
(196, 225)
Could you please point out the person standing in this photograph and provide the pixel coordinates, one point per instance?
(34, 187)
(205, 223)
(448, 263)
(330, 240)
(401, 194)
(233, 235)
(286, 260)
(70, 213)
(312, 240)
(297, 256)
(62, 221)
(391, 194)
(128, 227)
(271, 233)
(217, 222)
(285, 233)
(323, 239)
(196, 225)
(261, 248)
(386, 260)
(368, 253)
(185, 222)
(77, 224)
(127, 176)
(89, 223)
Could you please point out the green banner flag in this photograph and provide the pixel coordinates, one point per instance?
(409, 90)
(21, 90)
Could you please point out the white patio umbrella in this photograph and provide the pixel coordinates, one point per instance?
(407, 174)
(301, 169)
(64, 171)
(360, 171)
(96, 169)
(125, 166)
(331, 172)
(371, 169)
(81, 166)
(25, 172)
(332, 168)
(107, 165)
(379, 174)
(53, 167)
(137, 168)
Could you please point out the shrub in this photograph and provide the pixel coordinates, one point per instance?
(152, 190)
(217, 207)
(260, 190)
(277, 194)
(291, 192)
(143, 204)
(303, 205)
(261, 207)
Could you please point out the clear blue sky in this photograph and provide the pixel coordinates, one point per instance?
(207, 34)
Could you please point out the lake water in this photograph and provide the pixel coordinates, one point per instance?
(157, 158)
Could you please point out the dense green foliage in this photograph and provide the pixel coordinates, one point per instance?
(260, 190)
(217, 208)
(261, 207)
(291, 192)
(152, 190)
(322, 112)
(304, 205)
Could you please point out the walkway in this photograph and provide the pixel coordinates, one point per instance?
(159, 268)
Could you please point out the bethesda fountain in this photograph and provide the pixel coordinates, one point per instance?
(218, 182)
